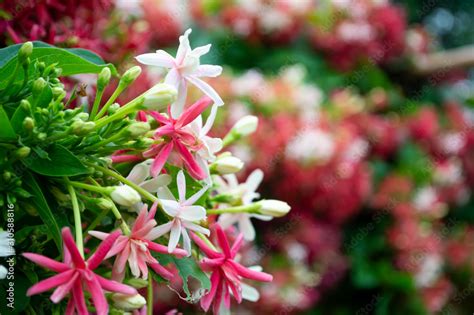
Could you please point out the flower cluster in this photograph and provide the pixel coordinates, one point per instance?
(144, 180)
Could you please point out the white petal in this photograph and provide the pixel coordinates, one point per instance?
(254, 179)
(192, 213)
(210, 120)
(184, 47)
(227, 219)
(206, 89)
(178, 106)
(201, 50)
(100, 235)
(194, 227)
(249, 293)
(159, 59)
(246, 227)
(232, 180)
(186, 241)
(181, 182)
(195, 197)
(173, 78)
(261, 217)
(139, 173)
(3, 272)
(171, 207)
(154, 184)
(208, 71)
(174, 235)
(159, 231)
(165, 193)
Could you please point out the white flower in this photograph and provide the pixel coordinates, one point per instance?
(185, 68)
(140, 175)
(6, 249)
(184, 215)
(247, 194)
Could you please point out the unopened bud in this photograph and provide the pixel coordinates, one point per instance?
(25, 105)
(160, 96)
(274, 208)
(227, 165)
(104, 204)
(28, 123)
(130, 75)
(25, 52)
(38, 86)
(104, 78)
(113, 108)
(23, 152)
(128, 302)
(246, 125)
(138, 129)
(125, 196)
(82, 116)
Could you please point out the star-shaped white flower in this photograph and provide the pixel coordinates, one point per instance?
(184, 214)
(183, 69)
(247, 194)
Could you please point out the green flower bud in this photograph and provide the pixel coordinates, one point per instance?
(113, 108)
(41, 136)
(28, 123)
(59, 93)
(137, 283)
(144, 142)
(104, 78)
(23, 152)
(38, 86)
(59, 195)
(130, 75)
(138, 129)
(82, 116)
(25, 105)
(104, 204)
(160, 96)
(7, 176)
(40, 66)
(31, 210)
(25, 52)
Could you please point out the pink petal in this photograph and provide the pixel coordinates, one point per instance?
(210, 264)
(222, 240)
(237, 245)
(70, 308)
(250, 274)
(97, 295)
(162, 271)
(114, 286)
(227, 298)
(72, 249)
(50, 283)
(206, 300)
(161, 159)
(193, 111)
(46, 262)
(78, 296)
(191, 164)
(125, 158)
(62, 290)
(98, 234)
(101, 251)
(204, 247)
(159, 118)
(118, 247)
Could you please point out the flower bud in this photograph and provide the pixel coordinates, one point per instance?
(130, 75)
(138, 129)
(125, 196)
(22, 152)
(227, 165)
(113, 108)
(25, 105)
(25, 52)
(128, 302)
(160, 96)
(103, 79)
(104, 204)
(82, 116)
(274, 208)
(28, 123)
(246, 125)
(137, 283)
(38, 86)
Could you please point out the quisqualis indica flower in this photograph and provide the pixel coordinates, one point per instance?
(228, 165)
(184, 215)
(185, 68)
(135, 248)
(247, 194)
(274, 208)
(125, 196)
(75, 275)
(160, 96)
(226, 273)
(246, 125)
(6, 249)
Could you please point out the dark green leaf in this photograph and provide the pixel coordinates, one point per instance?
(45, 213)
(60, 162)
(6, 130)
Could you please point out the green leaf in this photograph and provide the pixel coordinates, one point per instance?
(60, 162)
(187, 267)
(39, 201)
(6, 130)
(71, 61)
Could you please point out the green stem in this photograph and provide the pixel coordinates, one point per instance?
(149, 300)
(77, 216)
(111, 100)
(123, 225)
(230, 138)
(206, 240)
(122, 112)
(100, 190)
(96, 221)
(95, 107)
(104, 142)
(251, 208)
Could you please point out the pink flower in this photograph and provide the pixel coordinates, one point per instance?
(179, 137)
(227, 273)
(76, 275)
(185, 68)
(135, 248)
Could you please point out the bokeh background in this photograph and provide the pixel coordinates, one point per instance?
(366, 128)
